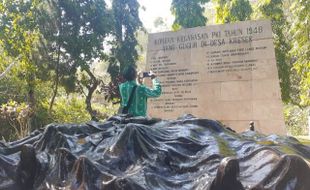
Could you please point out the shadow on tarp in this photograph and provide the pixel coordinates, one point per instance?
(143, 153)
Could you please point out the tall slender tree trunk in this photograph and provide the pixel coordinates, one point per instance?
(31, 102)
(91, 89)
(55, 90)
(31, 89)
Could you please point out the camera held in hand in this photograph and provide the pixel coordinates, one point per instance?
(146, 74)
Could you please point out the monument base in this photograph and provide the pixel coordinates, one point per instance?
(142, 153)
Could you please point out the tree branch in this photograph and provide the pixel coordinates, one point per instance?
(7, 70)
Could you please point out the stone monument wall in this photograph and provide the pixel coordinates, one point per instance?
(224, 72)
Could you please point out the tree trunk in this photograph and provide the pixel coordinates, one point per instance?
(31, 100)
(8, 69)
(55, 90)
(31, 88)
(91, 89)
(57, 63)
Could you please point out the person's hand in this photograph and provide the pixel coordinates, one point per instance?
(152, 75)
(140, 77)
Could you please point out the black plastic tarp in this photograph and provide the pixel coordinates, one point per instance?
(141, 153)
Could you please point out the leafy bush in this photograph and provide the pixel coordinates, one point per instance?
(296, 120)
(105, 110)
(70, 109)
(73, 110)
(17, 116)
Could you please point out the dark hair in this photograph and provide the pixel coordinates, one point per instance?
(130, 73)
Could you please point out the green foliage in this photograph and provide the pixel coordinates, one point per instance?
(19, 37)
(240, 10)
(231, 11)
(273, 10)
(300, 51)
(126, 24)
(18, 116)
(70, 110)
(56, 42)
(106, 110)
(18, 29)
(83, 25)
(159, 22)
(12, 88)
(124, 43)
(188, 13)
(296, 120)
(72, 40)
(55, 64)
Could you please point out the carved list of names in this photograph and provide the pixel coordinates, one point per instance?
(220, 72)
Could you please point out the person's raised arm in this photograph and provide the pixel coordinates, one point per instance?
(156, 90)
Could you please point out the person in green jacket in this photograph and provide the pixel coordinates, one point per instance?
(138, 105)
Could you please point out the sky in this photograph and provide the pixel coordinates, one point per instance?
(161, 8)
(153, 10)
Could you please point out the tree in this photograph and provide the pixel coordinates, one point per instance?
(273, 10)
(126, 24)
(231, 11)
(188, 13)
(18, 39)
(300, 51)
(160, 24)
(12, 85)
(72, 36)
(84, 26)
(7, 69)
(55, 64)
